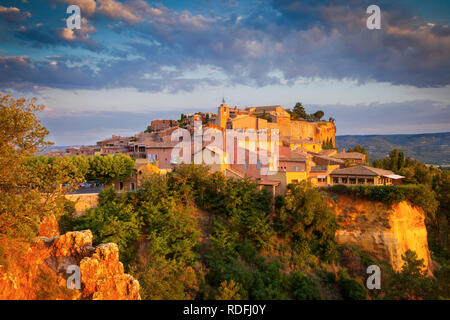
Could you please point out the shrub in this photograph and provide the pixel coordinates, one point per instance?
(352, 289)
(303, 287)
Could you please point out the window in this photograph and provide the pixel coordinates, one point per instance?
(294, 181)
(258, 164)
(344, 180)
(370, 181)
(335, 180)
(121, 186)
(245, 165)
(352, 180)
(361, 180)
(295, 168)
(132, 186)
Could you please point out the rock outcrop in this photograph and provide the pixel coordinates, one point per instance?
(43, 271)
(384, 232)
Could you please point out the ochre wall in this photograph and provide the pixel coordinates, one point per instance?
(83, 202)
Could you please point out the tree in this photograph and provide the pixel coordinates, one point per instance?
(298, 112)
(328, 143)
(307, 220)
(182, 120)
(411, 282)
(393, 155)
(110, 168)
(318, 115)
(149, 129)
(303, 287)
(352, 289)
(229, 290)
(401, 160)
(21, 202)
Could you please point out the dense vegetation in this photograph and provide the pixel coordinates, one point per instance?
(75, 169)
(196, 235)
(193, 234)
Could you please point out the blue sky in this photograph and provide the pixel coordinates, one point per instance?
(134, 61)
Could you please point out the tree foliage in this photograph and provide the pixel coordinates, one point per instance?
(304, 217)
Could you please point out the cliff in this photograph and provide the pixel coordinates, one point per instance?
(40, 271)
(385, 233)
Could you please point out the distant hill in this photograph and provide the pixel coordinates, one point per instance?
(49, 149)
(430, 148)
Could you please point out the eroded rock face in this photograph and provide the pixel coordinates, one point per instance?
(43, 272)
(385, 233)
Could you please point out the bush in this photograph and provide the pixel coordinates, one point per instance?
(352, 289)
(304, 216)
(303, 287)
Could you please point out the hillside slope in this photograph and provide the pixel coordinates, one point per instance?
(430, 148)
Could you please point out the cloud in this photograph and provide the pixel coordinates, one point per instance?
(44, 35)
(130, 12)
(13, 14)
(277, 42)
(87, 7)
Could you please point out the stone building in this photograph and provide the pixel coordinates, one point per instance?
(364, 175)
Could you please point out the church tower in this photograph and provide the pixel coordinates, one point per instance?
(223, 113)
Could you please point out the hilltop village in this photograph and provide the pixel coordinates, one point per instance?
(304, 149)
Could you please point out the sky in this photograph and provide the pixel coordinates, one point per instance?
(135, 61)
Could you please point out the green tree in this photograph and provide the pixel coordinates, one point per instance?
(352, 289)
(393, 155)
(303, 287)
(401, 160)
(229, 290)
(110, 168)
(21, 204)
(318, 115)
(305, 218)
(411, 282)
(298, 112)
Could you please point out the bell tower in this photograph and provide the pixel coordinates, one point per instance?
(223, 113)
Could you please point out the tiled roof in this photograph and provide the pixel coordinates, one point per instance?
(330, 159)
(319, 169)
(349, 155)
(161, 145)
(304, 141)
(362, 171)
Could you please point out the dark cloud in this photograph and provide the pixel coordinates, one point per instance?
(41, 35)
(13, 14)
(276, 41)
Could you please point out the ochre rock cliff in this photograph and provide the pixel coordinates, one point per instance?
(385, 233)
(40, 272)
